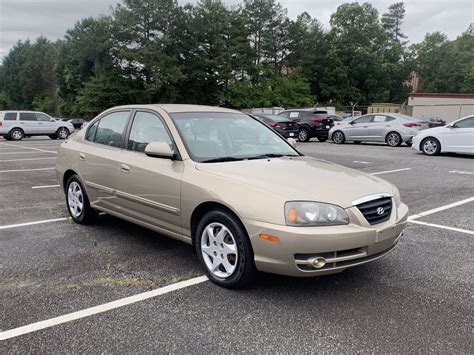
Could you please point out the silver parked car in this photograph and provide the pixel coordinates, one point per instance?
(16, 125)
(392, 128)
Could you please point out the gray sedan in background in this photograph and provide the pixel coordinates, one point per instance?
(391, 128)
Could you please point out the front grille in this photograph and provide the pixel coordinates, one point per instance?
(371, 210)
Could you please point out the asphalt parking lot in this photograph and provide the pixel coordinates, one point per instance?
(417, 299)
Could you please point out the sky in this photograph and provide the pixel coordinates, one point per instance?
(23, 19)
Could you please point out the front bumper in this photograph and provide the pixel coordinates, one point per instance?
(341, 246)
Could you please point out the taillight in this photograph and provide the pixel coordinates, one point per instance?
(275, 125)
(412, 125)
(316, 120)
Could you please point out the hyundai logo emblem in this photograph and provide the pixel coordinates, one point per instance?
(380, 211)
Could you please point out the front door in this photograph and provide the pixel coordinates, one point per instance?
(46, 124)
(149, 188)
(460, 137)
(358, 128)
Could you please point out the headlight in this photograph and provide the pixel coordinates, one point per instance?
(396, 197)
(300, 213)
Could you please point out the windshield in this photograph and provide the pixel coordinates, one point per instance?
(223, 136)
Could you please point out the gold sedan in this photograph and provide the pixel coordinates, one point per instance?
(226, 183)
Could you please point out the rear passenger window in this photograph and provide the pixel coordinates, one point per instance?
(379, 118)
(10, 116)
(27, 116)
(147, 128)
(110, 129)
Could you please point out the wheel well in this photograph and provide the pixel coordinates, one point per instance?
(66, 177)
(393, 132)
(429, 137)
(202, 209)
(19, 128)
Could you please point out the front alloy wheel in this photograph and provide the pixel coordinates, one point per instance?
(338, 137)
(219, 250)
(77, 202)
(62, 133)
(430, 146)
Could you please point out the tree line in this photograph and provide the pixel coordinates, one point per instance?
(249, 55)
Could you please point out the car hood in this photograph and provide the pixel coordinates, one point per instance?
(434, 130)
(301, 178)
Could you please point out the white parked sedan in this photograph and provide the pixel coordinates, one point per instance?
(456, 137)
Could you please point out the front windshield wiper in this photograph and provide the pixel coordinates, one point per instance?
(271, 155)
(221, 159)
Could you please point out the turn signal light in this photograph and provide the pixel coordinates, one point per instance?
(270, 238)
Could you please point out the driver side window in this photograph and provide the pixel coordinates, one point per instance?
(466, 123)
(147, 128)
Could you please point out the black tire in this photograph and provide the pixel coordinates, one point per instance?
(62, 133)
(245, 270)
(322, 139)
(304, 134)
(88, 214)
(53, 136)
(393, 139)
(430, 146)
(357, 142)
(16, 134)
(338, 137)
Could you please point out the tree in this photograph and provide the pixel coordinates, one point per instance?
(392, 22)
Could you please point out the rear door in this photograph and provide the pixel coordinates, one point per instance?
(29, 123)
(99, 159)
(459, 138)
(149, 188)
(358, 129)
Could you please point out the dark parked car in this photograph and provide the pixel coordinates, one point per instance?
(76, 122)
(433, 121)
(286, 127)
(312, 123)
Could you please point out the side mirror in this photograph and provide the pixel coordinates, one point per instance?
(352, 122)
(159, 150)
(292, 142)
(452, 126)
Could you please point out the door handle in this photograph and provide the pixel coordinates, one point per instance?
(82, 156)
(124, 168)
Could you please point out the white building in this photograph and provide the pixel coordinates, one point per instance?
(448, 107)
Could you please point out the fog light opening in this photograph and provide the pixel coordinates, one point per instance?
(319, 262)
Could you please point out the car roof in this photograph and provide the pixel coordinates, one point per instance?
(175, 108)
(313, 109)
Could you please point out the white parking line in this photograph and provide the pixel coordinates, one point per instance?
(22, 152)
(10, 226)
(21, 146)
(390, 171)
(21, 170)
(43, 186)
(442, 208)
(361, 162)
(442, 227)
(461, 172)
(12, 160)
(8, 334)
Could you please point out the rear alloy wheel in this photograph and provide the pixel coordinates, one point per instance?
(303, 135)
(393, 139)
(77, 202)
(16, 134)
(338, 137)
(430, 146)
(224, 250)
(62, 133)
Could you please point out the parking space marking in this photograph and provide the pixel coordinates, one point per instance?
(22, 146)
(21, 170)
(390, 171)
(43, 186)
(443, 227)
(361, 162)
(442, 208)
(8, 334)
(10, 226)
(25, 159)
(461, 172)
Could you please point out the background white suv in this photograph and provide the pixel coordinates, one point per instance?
(16, 125)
